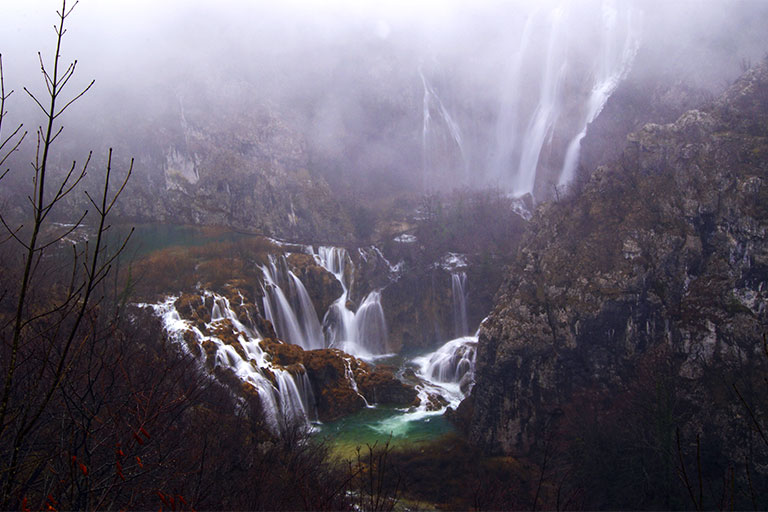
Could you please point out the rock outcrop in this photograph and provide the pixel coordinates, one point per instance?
(661, 257)
(342, 384)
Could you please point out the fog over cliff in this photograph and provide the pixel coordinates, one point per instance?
(385, 96)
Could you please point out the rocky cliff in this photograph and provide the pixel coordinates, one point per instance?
(214, 154)
(661, 259)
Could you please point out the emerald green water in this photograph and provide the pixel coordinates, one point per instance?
(148, 238)
(370, 425)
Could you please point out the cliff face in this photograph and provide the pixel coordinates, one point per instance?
(243, 168)
(662, 256)
(213, 154)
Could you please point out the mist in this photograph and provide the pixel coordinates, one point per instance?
(383, 97)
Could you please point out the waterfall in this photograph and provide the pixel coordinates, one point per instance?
(432, 102)
(549, 81)
(286, 396)
(506, 135)
(286, 402)
(334, 260)
(452, 362)
(362, 333)
(222, 310)
(310, 326)
(619, 47)
(292, 315)
(350, 376)
(458, 290)
(371, 325)
(292, 403)
(541, 125)
(449, 371)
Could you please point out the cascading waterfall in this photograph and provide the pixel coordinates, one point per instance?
(619, 47)
(448, 372)
(334, 260)
(458, 289)
(541, 125)
(295, 320)
(453, 363)
(286, 395)
(286, 401)
(222, 310)
(362, 333)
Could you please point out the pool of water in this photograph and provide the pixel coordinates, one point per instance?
(148, 238)
(402, 428)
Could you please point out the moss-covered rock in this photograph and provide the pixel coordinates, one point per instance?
(381, 386)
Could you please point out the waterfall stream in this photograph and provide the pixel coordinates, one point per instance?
(286, 396)
(620, 43)
(439, 132)
(459, 293)
(441, 379)
(551, 86)
(362, 333)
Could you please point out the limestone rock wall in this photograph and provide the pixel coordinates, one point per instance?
(662, 251)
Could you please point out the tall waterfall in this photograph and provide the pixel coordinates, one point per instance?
(541, 125)
(459, 292)
(441, 136)
(620, 42)
(551, 82)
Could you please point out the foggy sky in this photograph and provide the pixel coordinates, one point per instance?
(347, 71)
(112, 38)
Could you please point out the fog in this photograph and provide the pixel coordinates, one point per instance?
(383, 96)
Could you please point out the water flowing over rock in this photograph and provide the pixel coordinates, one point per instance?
(620, 45)
(458, 289)
(453, 363)
(293, 387)
(290, 311)
(441, 138)
(283, 393)
(362, 332)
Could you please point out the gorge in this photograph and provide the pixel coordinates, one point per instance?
(492, 257)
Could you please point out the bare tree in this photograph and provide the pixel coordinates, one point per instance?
(47, 316)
